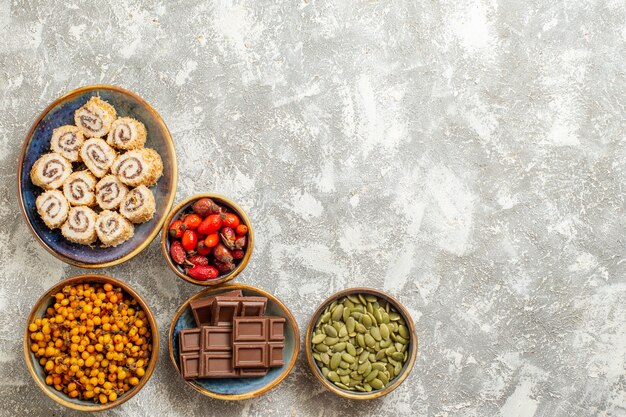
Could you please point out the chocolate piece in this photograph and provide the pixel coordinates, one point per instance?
(253, 355)
(252, 306)
(251, 372)
(276, 328)
(201, 307)
(250, 329)
(189, 340)
(275, 355)
(224, 311)
(217, 365)
(216, 338)
(190, 365)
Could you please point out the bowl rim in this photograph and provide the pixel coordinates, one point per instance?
(57, 396)
(236, 397)
(168, 142)
(373, 394)
(220, 199)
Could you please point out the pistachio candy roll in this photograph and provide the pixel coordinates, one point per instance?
(95, 118)
(127, 133)
(110, 192)
(138, 206)
(138, 167)
(80, 226)
(66, 141)
(53, 208)
(78, 188)
(50, 171)
(113, 229)
(98, 156)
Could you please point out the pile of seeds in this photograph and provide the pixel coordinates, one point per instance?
(360, 343)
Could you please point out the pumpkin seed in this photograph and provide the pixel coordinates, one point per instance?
(346, 313)
(369, 340)
(342, 372)
(360, 327)
(371, 375)
(379, 366)
(332, 375)
(321, 347)
(398, 356)
(325, 358)
(371, 358)
(383, 377)
(360, 339)
(380, 355)
(316, 356)
(393, 316)
(375, 332)
(344, 365)
(345, 379)
(351, 349)
(360, 388)
(354, 299)
(384, 344)
(348, 358)
(364, 368)
(339, 347)
(402, 340)
(363, 356)
(367, 387)
(318, 338)
(337, 313)
(350, 324)
(330, 331)
(371, 298)
(341, 385)
(329, 341)
(376, 383)
(377, 315)
(404, 332)
(355, 375)
(386, 317)
(334, 361)
(366, 321)
(370, 308)
(384, 331)
(343, 332)
(397, 369)
(347, 303)
(362, 299)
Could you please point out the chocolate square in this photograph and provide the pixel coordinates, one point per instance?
(201, 307)
(224, 311)
(217, 338)
(217, 365)
(275, 355)
(252, 372)
(250, 329)
(276, 329)
(253, 306)
(253, 355)
(190, 365)
(189, 340)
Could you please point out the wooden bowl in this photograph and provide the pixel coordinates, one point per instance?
(37, 142)
(36, 370)
(394, 383)
(238, 388)
(182, 206)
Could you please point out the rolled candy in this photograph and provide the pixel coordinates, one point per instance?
(95, 118)
(138, 206)
(53, 208)
(66, 141)
(113, 229)
(138, 167)
(80, 226)
(110, 192)
(78, 188)
(127, 133)
(50, 171)
(98, 156)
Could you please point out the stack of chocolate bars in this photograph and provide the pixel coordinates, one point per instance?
(234, 338)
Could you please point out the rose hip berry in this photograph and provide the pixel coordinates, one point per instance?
(202, 248)
(212, 240)
(177, 252)
(242, 229)
(231, 220)
(189, 240)
(198, 260)
(192, 221)
(205, 206)
(228, 237)
(203, 272)
(211, 224)
(175, 229)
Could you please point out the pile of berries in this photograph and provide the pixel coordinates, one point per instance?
(208, 241)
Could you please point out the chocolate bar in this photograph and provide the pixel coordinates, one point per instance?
(201, 307)
(255, 341)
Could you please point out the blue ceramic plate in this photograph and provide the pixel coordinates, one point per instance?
(239, 388)
(37, 143)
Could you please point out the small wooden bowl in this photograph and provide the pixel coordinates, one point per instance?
(182, 206)
(394, 383)
(37, 371)
(238, 388)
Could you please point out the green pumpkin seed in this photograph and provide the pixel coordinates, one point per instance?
(397, 369)
(380, 355)
(360, 327)
(384, 344)
(390, 350)
(348, 358)
(339, 347)
(375, 332)
(390, 369)
(330, 331)
(385, 318)
(344, 365)
(399, 346)
(354, 299)
(363, 357)
(343, 332)
(404, 332)
(379, 366)
(356, 315)
(360, 339)
(362, 299)
(369, 307)
(342, 372)
(369, 340)
(345, 379)
(371, 358)
(334, 361)
(384, 331)
(341, 385)
(359, 388)
(376, 383)
(355, 375)
(398, 356)
(366, 321)
(317, 356)
(321, 347)
(325, 317)
(347, 303)
(402, 340)
(393, 316)
(337, 313)
(371, 298)
(383, 377)
(325, 371)
(317, 339)
(351, 349)
(365, 366)
(346, 313)
(367, 387)
(377, 315)
(329, 341)
(350, 324)
(325, 358)
(371, 375)
(332, 375)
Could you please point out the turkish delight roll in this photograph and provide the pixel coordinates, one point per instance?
(67, 140)
(95, 118)
(138, 167)
(80, 226)
(50, 171)
(113, 229)
(110, 192)
(138, 206)
(53, 208)
(78, 188)
(127, 133)
(98, 156)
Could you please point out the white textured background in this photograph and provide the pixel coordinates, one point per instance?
(466, 156)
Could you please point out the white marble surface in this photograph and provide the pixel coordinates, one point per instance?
(466, 156)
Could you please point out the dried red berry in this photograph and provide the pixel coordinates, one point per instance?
(224, 266)
(177, 252)
(240, 243)
(202, 248)
(238, 254)
(189, 240)
(211, 224)
(175, 229)
(198, 260)
(231, 220)
(203, 272)
(222, 254)
(228, 237)
(205, 206)
(192, 221)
